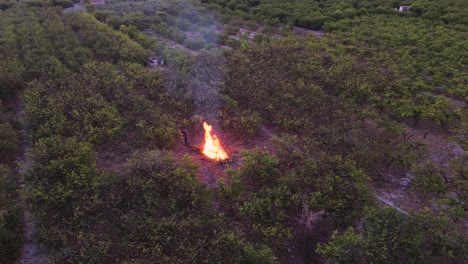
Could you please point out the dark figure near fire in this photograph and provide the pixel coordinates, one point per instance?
(186, 141)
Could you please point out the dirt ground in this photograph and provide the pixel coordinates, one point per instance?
(212, 171)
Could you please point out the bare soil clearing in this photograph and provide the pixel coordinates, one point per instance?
(210, 172)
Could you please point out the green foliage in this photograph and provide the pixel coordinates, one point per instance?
(70, 112)
(11, 214)
(63, 3)
(450, 11)
(268, 199)
(38, 43)
(184, 22)
(164, 135)
(86, 92)
(99, 37)
(457, 189)
(298, 82)
(98, 103)
(308, 14)
(8, 182)
(429, 179)
(155, 211)
(11, 238)
(195, 44)
(342, 248)
(9, 140)
(331, 183)
(266, 210)
(259, 169)
(199, 81)
(5, 4)
(60, 186)
(427, 53)
(177, 187)
(149, 43)
(260, 198)
(388, 236)
(244, 122)
(62, 174)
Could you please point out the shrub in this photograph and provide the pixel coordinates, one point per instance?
(195, 43)
(429, 179)
(9, 140)
(63, 3)
(11, 234)
(11, 237)
(390, 237)
(63, 173)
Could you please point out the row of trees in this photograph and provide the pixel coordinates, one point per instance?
(425, 54)
(11, 236)
(11, 214)
(5, 4)
(184, 22)
(331, 102)
(388, 236)
(83, 87)
(316, 14)
(290, 208)
(90, 102)
(155, 210)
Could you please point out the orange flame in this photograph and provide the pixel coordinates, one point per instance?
(212, 148)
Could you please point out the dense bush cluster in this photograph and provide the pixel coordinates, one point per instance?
(182, 21)
(11, 236)
(388, 236)
(316, 14)
(90, 90)
(279, 203)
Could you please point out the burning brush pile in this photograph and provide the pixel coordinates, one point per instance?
(212, 147)
(206, 150)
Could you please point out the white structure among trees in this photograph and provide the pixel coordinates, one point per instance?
(404, 9)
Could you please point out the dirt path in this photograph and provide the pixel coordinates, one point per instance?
(31, 253)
